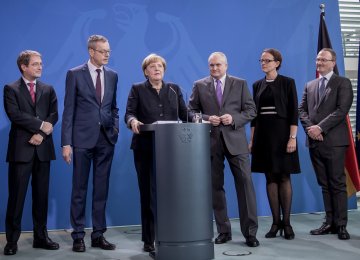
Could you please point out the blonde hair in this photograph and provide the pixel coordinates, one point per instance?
(151, 58)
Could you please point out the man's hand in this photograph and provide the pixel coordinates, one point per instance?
(226, 119)
(67, 153)
(47, 128)
(314, 132)
(215, 120)
(36, 139)
(135, 126)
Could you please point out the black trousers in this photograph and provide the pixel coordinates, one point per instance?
(328, 163)
(18, 180)
(143, 160)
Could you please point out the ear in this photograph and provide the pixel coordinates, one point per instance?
(23, 67)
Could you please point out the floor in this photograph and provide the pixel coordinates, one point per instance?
(127, 240)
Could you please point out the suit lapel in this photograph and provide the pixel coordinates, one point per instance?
(227, 87)
(211, 87)
(39, 91)
(88, 79)
(25, 92)
(106, 85)
(327, 89)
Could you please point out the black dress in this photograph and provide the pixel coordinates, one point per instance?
(270, 138)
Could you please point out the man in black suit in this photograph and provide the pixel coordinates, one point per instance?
(323, 109)
(31, 107)
(90, 127)
(226, 103)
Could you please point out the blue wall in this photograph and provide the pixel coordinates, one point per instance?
(184, 32)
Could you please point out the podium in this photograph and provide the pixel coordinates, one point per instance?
(182, 201)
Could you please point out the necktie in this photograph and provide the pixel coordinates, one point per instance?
(218, 91)
(322, 88)
(98, 86)
(32, 92)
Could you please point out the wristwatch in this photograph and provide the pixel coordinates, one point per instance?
(293, 136)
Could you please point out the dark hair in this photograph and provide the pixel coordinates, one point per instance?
(332, 52)
(24, 58)
(276, 54)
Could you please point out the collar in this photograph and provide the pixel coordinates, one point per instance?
(222, 79)
(28, 81)
(93, 68)
(328, 76)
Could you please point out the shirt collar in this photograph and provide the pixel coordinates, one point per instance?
(28, 81)
(222, 79)
(92, 67)
(328, 76)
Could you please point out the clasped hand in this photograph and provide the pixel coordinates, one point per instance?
(225, 119)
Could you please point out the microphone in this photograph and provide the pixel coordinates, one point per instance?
(186, 100)
(177, 104)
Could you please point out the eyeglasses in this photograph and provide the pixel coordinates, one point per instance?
(322, 60)
(103, 52)
(266, 61)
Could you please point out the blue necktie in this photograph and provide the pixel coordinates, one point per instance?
(322, 88)
(219, 91)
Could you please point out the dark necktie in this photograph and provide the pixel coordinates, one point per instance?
(32, 92)
(322, 88)
(98, 86)
(218, 91)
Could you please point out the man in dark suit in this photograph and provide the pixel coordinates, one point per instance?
(31, 106)
(226, 103)
(323, 109)
(90, 126)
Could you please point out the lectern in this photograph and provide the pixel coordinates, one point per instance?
(182, 199)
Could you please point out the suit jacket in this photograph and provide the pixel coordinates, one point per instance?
(329, 112)
(147, 106)
(26, 119)
(237, 102)
(83, 116)
(285, 97)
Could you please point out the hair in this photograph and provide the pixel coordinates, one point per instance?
(151, 58)
(332, 52)
(217, 53)
(24, 58)
(93, 39)
(276, 54)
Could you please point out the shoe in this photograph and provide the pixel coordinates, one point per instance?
(152, 254)
(251, 241)
(288, 232)
(148, 247)
(79, 245)
(102, 243)
(223, 238)
(46, 243)
(324, 229)
(342, 233)
(273, 230)
(10, 249)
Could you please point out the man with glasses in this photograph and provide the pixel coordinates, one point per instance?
(90, 127)
(323, 109)
(31, 106)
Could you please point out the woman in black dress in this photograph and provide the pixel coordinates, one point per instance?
(150, 101)
(273, 139)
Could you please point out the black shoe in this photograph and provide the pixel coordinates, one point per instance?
(46, 243)
(288, 232)
(102, 243)
(324, 229)
(79, 245)
(148, 247)
(152, 254)
(273, 230)
(251, 241)
(10, 249)
(223, 238)
(342, 233)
